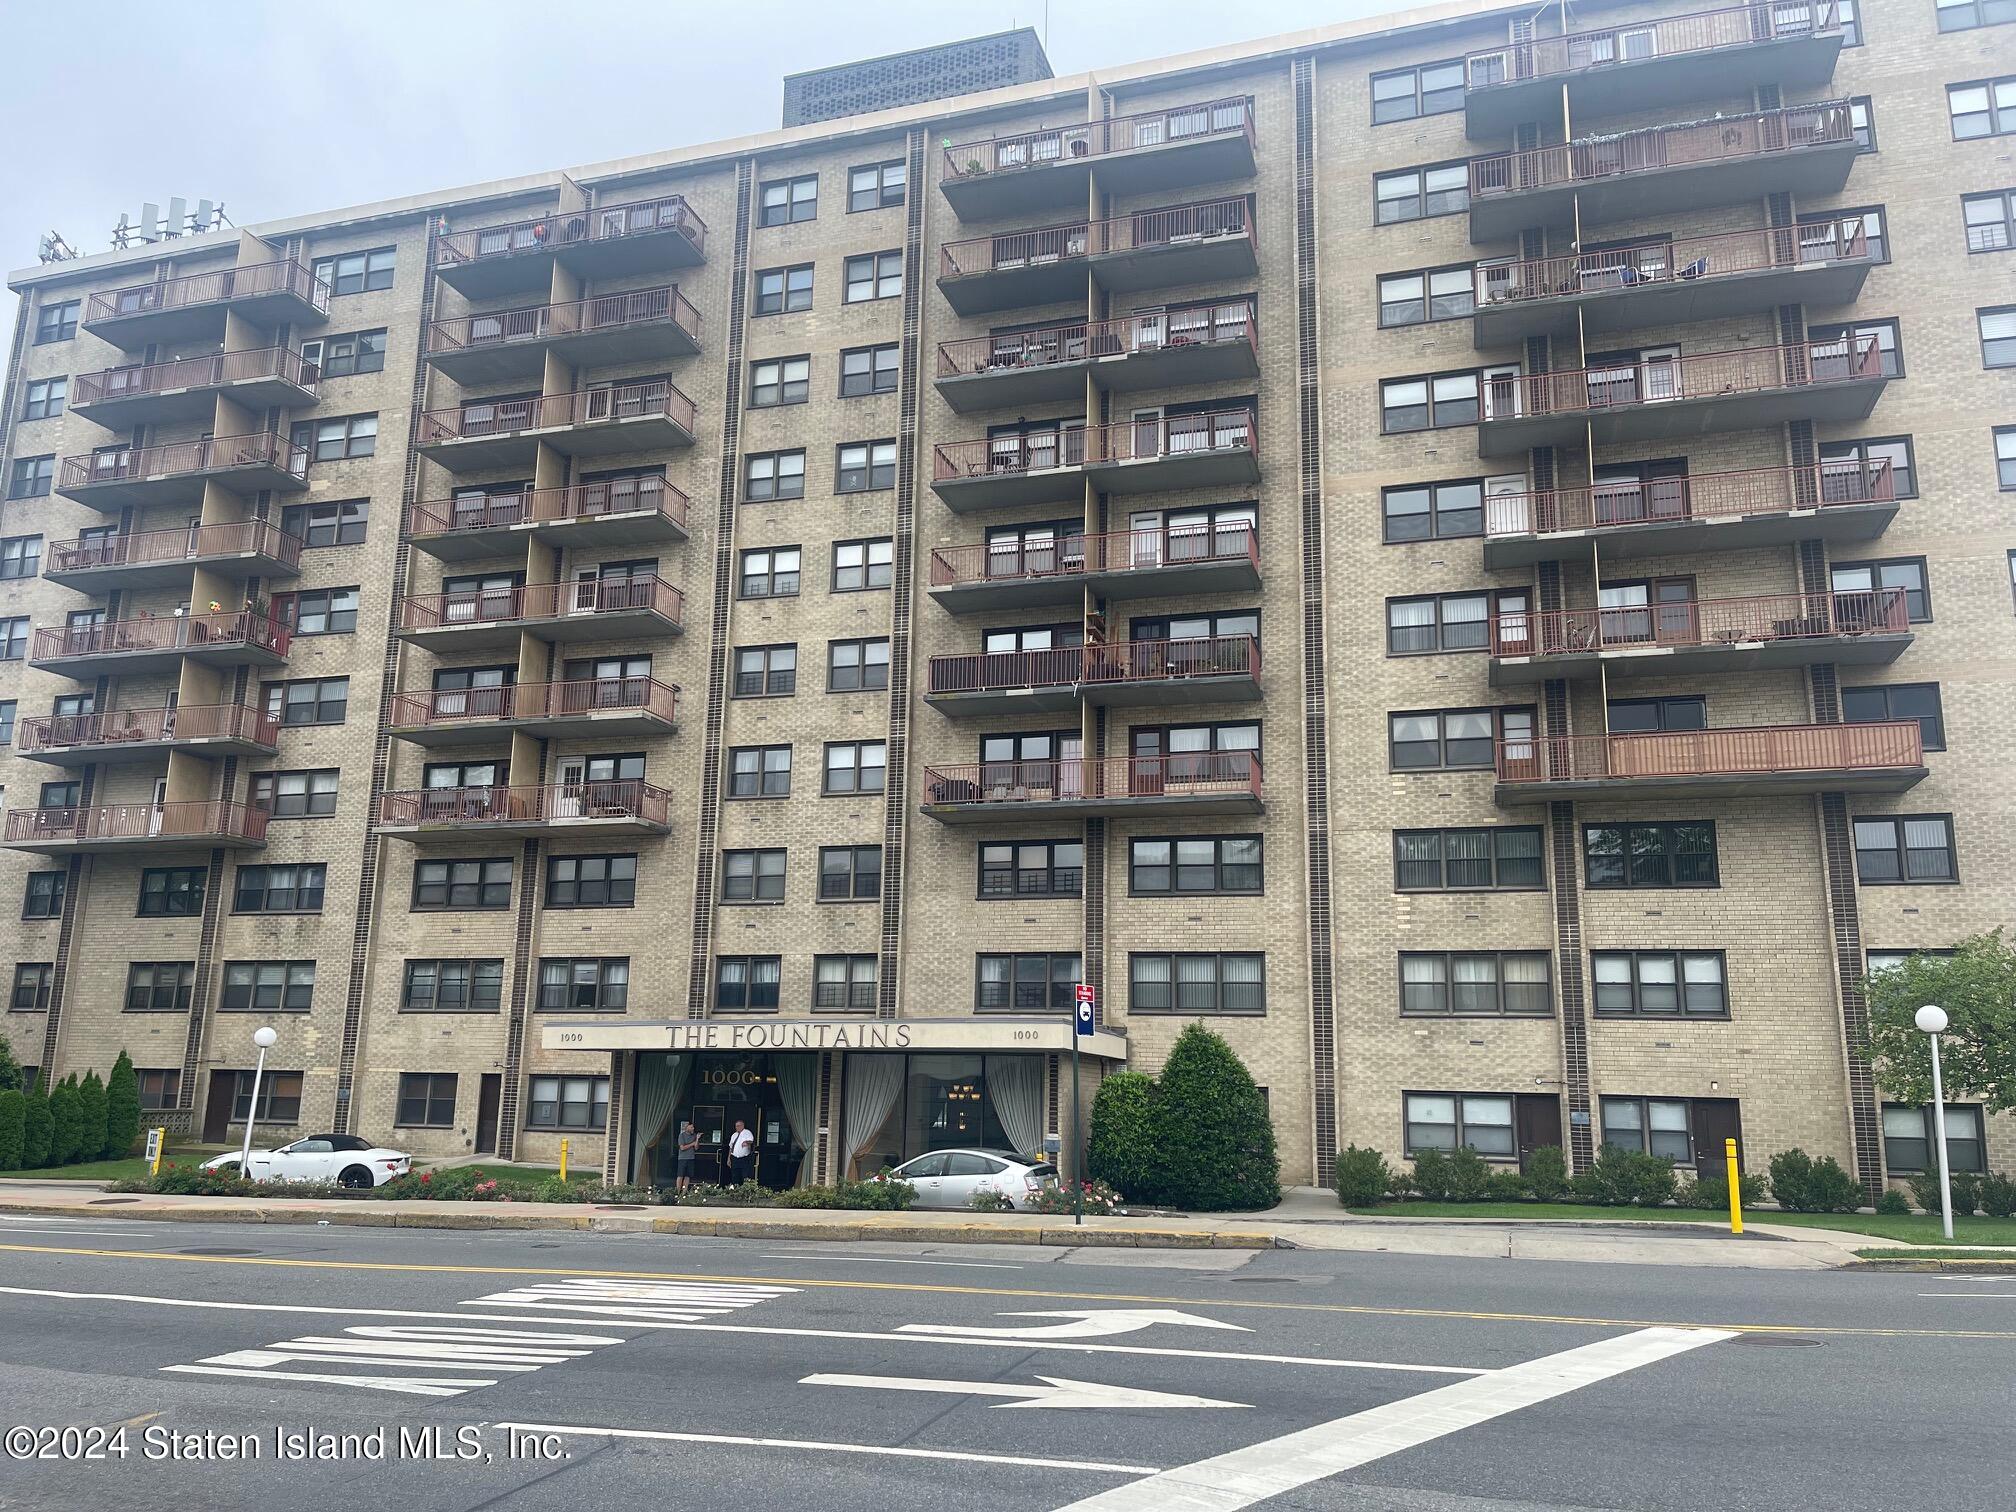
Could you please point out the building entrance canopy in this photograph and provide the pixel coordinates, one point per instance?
(878, 1035)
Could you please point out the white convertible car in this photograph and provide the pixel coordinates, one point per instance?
(342, 1158)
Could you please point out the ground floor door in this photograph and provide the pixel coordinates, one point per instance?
(1539, 1125)
(487, 1101)
(217, 1107)
(1715, 1119)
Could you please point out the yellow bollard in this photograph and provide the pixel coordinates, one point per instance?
(563, 1157)
(1735, 1187)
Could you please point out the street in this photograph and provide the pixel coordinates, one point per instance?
(319, 1367)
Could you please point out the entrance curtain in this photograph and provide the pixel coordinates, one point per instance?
(873, 1085)
(661, 1082)
(1015, 1082)
(798, 1085)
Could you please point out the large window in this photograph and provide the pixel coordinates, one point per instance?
(289, 887)
(855, 766)
(850, 873)
(1201, 864)
(1906, 848)
(878, 186)
(1439, 511)
(1503, 858)
(765, 671)
(341, 522)
(31, 477)
(159, 1089)
(1819, 234)
(1998, 335)
(864, 466)
(295, 795)
(859, 565)
(844, 982)
(426, 1100)
(591, 881)
(1417, 193)
(1476, 984)
(1919, 701)
(319, 611)
(1990, 220)
(786, 200)
(772, 475)
(172, 892)
(462, 884)
(33, 983)
(1676, 853)
(1213, 982)
(1429, 89)
(1965, 15)
(747, 984)
(1429, 402)
(338, 439)
(759, 772)
(1982, 107)
(1910, 1139)
(1644, 716)
(1870, 454)
(854, 666)
(20, 556)
(1427, 294)
(584, 984)
(1650, 1126)
(159, 986)
(870, 370)
(57, 322)
(779, 380)
(567, 1103)
(1447, 621)
(279, 1096)
(45, 398)
(1032, 869)
(1030, 982)
(1660, 983)
(268, 987)
(13, 638)
(770, 574)
(752, 876)
(348, 355)
(1907, 573)
(1451, 739)
(781, 290)
(453, 986)
(873, 275)
(42, 897)
(356, 272)
(1451, 1120)
(1834, 347)
(309, 701)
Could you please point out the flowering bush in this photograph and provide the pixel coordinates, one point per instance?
(1099, 1198)
(179, 1180)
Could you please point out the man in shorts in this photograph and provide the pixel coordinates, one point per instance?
(689, 1148)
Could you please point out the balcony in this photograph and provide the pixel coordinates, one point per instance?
(1150, 249)
(1051, 169)
(122, 736)
(1743, 763)
(609, 609)
(1202, 782)
(1134, 456)
(631, 417)
(580, 809)
(1174, 563)
(1651, 63)
(1803, 150)
(1665, 398)
(163, 558)
(173, 310)
(124, 648)
(135, 826)
(1160, 350)
(188, 388)
(1671, 282)
(143, 476)
(1856, 629)
(607, 242)
(638, 325)
(1207, 669)
(605, 706)
(1728, 511)
(619, 512)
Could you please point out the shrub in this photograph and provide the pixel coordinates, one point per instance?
(67, 1143)
(1363, 1177)
(1507, 1186)
(1213, 1141)
(1547, 1173)
(1966, 1193)
(38, 1131)
(122, 1108)
(1893, 1204)
(1469, 1176)
(1801, 1184)
(90, 1117)
(1431, 1174)
(1925, 1190)
(990, 1202)
(10, 1068)
(193, 1181)
(1099, 1199)
(1997, 1194)
(1626, 1178)
(1400, 1185)
(13, 1118)
(1711, 1193)
(879, 1193)
(1120, 1147)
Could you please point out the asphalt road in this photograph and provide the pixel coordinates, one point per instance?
(525, 1370)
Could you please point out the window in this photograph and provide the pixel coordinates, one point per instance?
(1441, 511)
(1849, 340)
(295, 795)
(1430, 89)
(765, 671)
(346, 356)
(1649, 1126)
(59, 795)
(1910, 1139)
(1220, 982)
(1032, 869)
(45, 398)
(13, 638)
(844, 982)
(334, 524)
(1907, 573)
(1862, 122)
(20, 556)
(747, 983)
(1428, 403)
(319, 611)
(1473, 984)
(172, 892)
(759, 772)
(1046, 982)
(8, 706)
(57, 322)
(788, 200)
(568, 1102)
(2005, 456)
(591, 881)
(1205, 864)
(308, 701)
(875, 186)
(43, 896)
(869, 370)
(450, 986)
(1660, 983)
(863, 564)
(1884, 960)
(343, 437)
(855, 766)
(873, 275)
(856, 666)
(773, 475)
(1998, 336)
(1819, 242)
(1965, 15)
(1427, 294)
(279, 1096)
(291, 887)
(1851, 24)
(771, 573)
(355, 272)
(158, 1090)
(849, 873)
(1446, 622)
(426, 1100)
(780, 380)
(268, 986)
(1871, 453)
(1449, 1120)
(1417, 193)
(584, 984)
(1437, 739)
(862, 466)
(1919, 701)
(32, 983)
(1990, 220)
(1502, 858)
(31, 477)
(1985, 107)
(752, 876)
(1910, 848)
(1668, 854)
(462, 884)
(780, 290)
(1641, 716)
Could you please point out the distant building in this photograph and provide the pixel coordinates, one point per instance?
(916, 77)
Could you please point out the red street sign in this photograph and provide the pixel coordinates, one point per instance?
(1084, 992)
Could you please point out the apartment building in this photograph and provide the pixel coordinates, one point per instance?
(1469, 550)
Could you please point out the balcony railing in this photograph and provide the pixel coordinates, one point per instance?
(1725, 139)
(478, 806)
(1145, 229)
(562, 700)
(532, 601)
(118, 727)
(1091, 139)
(1193, 774)
(548, 506)
(1156, 661)
(213, 371)
(1017, 560)
(503, 417)
(177, 458)
(1223, 325)
(1708, 496)
(571, 228)
(534, 323)
(225, 284)
(179, 632)
(1682, 259)
(136, 821)
(1702, 31)
(1663, 380)
(191, 544)
(1127, 441)
(1702, 622)
(1714, 753)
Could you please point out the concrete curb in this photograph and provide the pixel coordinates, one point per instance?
(1978, 1267)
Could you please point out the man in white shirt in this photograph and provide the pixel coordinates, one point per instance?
(741, 1154)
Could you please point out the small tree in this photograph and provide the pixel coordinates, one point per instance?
(10, 1069)
(1976, 985)
(38, 1129)
(122, 1108)
(1120, 1147)
(1214, 1144)
(13, 1127)
(90, 1117)
(68, 1119)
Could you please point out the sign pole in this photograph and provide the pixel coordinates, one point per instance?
(1082, 1029)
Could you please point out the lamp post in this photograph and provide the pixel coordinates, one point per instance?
(263, 1037)
(1932, 1020)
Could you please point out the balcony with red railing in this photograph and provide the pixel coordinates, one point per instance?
(120, 648)
(625, 807)
(158, 558)
(635, 325)
(1210, 450)
(1735, 763)
(1671, 281)
(606, 242)
(625, 417)
(116, 477)
(186, 388)
(1199, 782)
(613, 513)
(129, 735)
(1862, 628)
(1160, 349)
(1802, 150)
(1202, 669)
(1207, 142)
(1176, 561)
(193, 307)
(135, 826)
(1652, 62)
(615, 608)
(597, 706)
(1666, 396)
(1150, 249)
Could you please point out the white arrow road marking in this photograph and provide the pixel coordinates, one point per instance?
(1055, 1391)
(873, 1451)
(1089, 1324)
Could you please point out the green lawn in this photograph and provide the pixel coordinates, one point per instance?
(1951, 1254)
(89, 1170)
(1916, 1228)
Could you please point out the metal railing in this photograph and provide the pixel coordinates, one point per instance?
(167, 822)
(1656, 148)
(50, 732)
(483, 606)
(1653, 381)
(1890, 745)
(1707, 496)
(1175, 225)
(475, 807)
(176, 632)
(1680, 259)
(1090, 139)
(1155, 661)
(1229, 324)
(597, 695)
(502, 417)
(174, 458)
(570, 228)
(1124, 441)
(1020, 560)
(578, 501)
(1197, 774)
(533, 323)
(283, 277)
(1701, 31)
(1702, 622)
(193, 372)
(192, 544)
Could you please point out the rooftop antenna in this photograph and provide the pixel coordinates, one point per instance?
(152, 226)
(52, 248)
